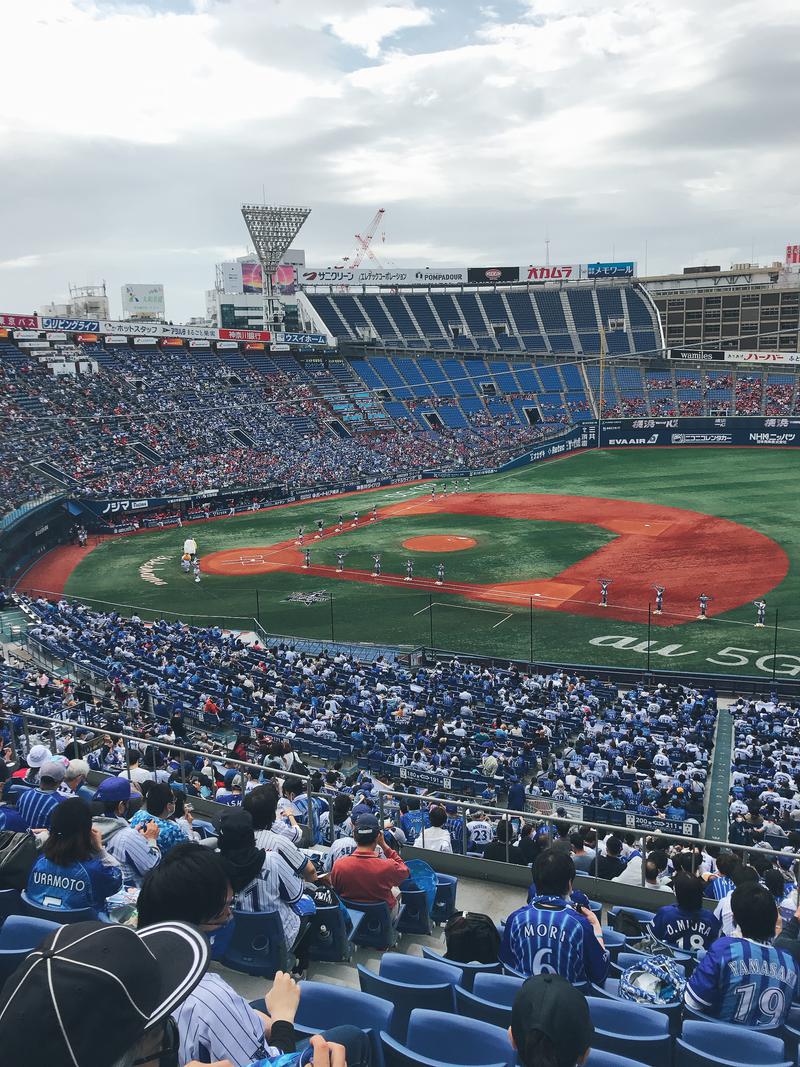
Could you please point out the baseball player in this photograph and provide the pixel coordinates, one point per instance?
(376, 566)
(374, 514)
(761, 612)
(196, 570)
(319, 529)
(433, 491)
(355, 519)
(307, 555)
(300, 536)
(444, 489)
(409, 570)
(339, 562)
(340, 524)
(704, 599)
(440, 574)
(659, 599)
(604, 584)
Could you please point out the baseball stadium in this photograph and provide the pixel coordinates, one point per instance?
(332, 626)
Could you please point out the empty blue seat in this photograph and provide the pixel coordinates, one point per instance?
(406, 996)
(468, 970)
(257, 945)
(62, 916)
(444, 906)
(499, 988)
(473, 1007)
(415, 917)
(458, 1041)
(638, 913)
(630, 1029)
(771, 1029)
(10, 903)
(376, 930)
(614, 942)
(19, 936)
(707, 1044)
(331, 940)
(324, 1006)
(599, 1058)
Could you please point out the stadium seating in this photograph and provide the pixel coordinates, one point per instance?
(19, 936)
(324, 1006)
(433, 989)
(467, 1042)
(705, 1044)
(630, 1030)
(257, 945)
(62, 916)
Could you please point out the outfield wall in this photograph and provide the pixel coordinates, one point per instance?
(735, 430)
(33, 534)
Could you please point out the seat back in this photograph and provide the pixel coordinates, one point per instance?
(631, 1030)
(714, 1041)
(499, 988)
(416, 917)
(473, 1007)
(19, 936)
(444, 905)
(324, 1006)
(61, 916)
(376, 930)
(405, 997)
(329, 940)
(469, 971)
(466, 1041)
(10, 903)
(396, 1054)
(258, 945)
(598, 1058)
(417, 971)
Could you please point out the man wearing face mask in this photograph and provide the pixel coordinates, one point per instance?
(193, 885)
(136, 851)
(159, 808)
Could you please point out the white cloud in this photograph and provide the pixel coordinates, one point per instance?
(368, 30)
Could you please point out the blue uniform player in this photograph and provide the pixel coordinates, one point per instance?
(687, 924)
(745, 979)
(551, 935)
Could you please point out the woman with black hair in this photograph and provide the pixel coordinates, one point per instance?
(159, 807)
(550, 1023)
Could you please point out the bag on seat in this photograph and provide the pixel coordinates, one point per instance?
(17, 857)
(471, 938)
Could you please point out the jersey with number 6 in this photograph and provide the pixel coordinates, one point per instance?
(742, 981)
(550, 937)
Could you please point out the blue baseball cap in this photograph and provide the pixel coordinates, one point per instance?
(113, 790)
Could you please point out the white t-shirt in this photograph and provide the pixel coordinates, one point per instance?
(435, 838)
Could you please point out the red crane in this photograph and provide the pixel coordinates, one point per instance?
(364, 242)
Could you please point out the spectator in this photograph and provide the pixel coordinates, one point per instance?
(724, 910)
(687, 924)
(75, 775)
(720, 885)
(136, 851)
(582, 857)
(135, 773)
(36, 806)
(365, 876)
(435, 837)
(550, 1023)
(745, 979)
(160, 809)
(117, 1012)
(74, 870)
(551, 935)
(262, 803)
(500, 849)
(214, 1022)
(526, 846)
(611, 865)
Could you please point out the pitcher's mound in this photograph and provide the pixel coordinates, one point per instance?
(439, 543)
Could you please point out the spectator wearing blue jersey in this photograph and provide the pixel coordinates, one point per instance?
(687, 924)
(74, 870)
(745, 979)
(551, 935)
(160, 808)
(721, 885)
(36, 806)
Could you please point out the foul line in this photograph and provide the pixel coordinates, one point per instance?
(461, 607)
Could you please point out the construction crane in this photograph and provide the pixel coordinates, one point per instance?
(364, 242)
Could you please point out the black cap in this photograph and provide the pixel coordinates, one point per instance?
(366, 829)
(130, 980)
(547, 1004)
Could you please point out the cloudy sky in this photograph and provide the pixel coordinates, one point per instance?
(132, 132)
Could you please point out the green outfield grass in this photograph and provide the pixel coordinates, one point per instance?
(755, 488)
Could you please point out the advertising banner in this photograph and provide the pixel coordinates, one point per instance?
(56, 336)
(227, 344)
(550, 273)
(482, 275)
(255, 346)
(252, 278)
(145, 340)
(244, 335)
(300, 338)
(762, 357)
(149, 329)
(422, 778)
(792, 257)
(25, 335)
(87, 338)
(397, 276)
(742, 430)
(115, 339)
(581, 437)
(697, 355)
(20, 322)
(73, 325)
(611, 270)
(172, 342)
(199, 344)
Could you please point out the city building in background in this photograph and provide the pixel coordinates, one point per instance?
(85, 302)
(143, 302)
(237, 300)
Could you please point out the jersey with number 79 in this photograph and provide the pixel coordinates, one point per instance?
(743, 981)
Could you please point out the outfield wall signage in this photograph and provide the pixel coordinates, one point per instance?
(47, 322)
(424, 779)
(762, 357)
(19, 322)
(697, 355)
(706, 355)
(724, 430)
(492, 275)
(611, 270)
(489, 275)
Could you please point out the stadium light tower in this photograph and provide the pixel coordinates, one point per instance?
(272, 230)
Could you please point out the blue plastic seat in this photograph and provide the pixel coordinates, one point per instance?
(415, 918)
(614, 942)
(257, 945)
(499, 988)
(630, 1029)
(62, 916)
(463, 1042)
(610, 991)
(406, 996)
(331, 940)
(468, 970)
(638, 913)
(599, 1058)
(771, 1029)
(706, 1044)
(376, 930)
(324, 1006)
(19, 936)
(444, 906)
(473, 1007)
(10, 903)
